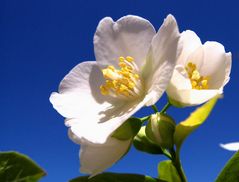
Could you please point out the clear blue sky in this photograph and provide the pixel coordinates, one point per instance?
(41, 40)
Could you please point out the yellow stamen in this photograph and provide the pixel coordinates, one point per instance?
(104, 90)
(195, 75)
(121, 58)
(122, 64)
(136, 76)
(130, 59)
(121, 81)
(131, 85)
(204, 83)
(194, 83)
(197, 81)
(111, 68)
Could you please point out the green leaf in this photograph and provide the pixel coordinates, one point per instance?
(16, 167)
(114, 177)
(128, 129)
(230, 172)
(142, 143)
(185, 128)
(168, 172)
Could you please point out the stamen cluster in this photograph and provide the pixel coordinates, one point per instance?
(121, 82)
(198, 81)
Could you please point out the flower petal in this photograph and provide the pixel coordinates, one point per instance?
(95, 159)
(93, 116)
(192, 97)
(228, 67)
(196, 57)
(128, 36)
(189, 41)
(179, 80)
(215, 64)
(79, 92)
(231, 146)
(99, 131)
(161, 59)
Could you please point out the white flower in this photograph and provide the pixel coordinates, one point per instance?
(133, 68)
(231, 146)
(201, 71)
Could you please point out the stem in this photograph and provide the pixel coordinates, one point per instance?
(177, 163)
(155, 108)
(144, 118)
(166, 153)
(165, 107)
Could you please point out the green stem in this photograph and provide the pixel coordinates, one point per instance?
(165, 108)
(144, 118)
(166, 153)
(177, 163)
(155, 108)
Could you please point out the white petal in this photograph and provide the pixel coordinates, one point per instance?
(196, 57)
(95, 159)
(98, 132)
(161, 59)
(79, 92)
(181, 92)
(160, 83)
(215, 64)
(189, 41)
(231, 146)
(94, 116)
(193, 97)
(228, 67)
(128, 36)
(179, 80)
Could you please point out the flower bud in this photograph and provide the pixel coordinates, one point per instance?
(160, 130)
(142, 143)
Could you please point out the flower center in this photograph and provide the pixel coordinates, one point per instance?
(123, 82)
(198, 81)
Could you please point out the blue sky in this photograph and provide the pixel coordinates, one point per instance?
(41, 41)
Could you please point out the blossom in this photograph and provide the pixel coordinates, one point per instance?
(234, 146)
(133, 67)
(201, 71)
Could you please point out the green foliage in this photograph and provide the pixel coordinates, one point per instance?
(114, 177)
(185, 128)
(230, 172)
(128, 129)
(167, 172)
(142, 143)
(16, 167)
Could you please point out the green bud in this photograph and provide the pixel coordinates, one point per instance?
(160, 130)
(142, 143)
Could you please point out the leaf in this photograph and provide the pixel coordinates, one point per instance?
(231, 170)
(168, 172)
(142, 143)
(16, 167)
(128, 129)
(114, 177)
(185, 128)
